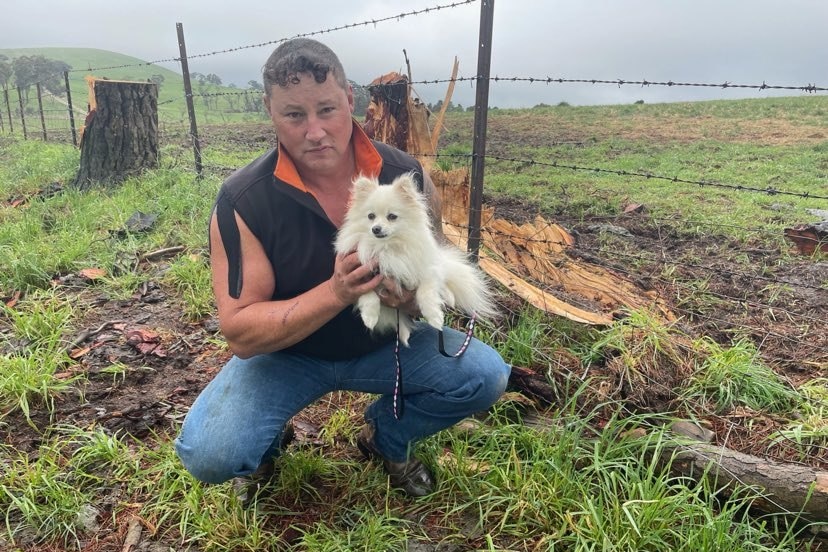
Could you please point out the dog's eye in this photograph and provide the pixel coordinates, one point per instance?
(371, 216)
(392, 216)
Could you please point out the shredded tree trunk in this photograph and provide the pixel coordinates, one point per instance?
(120, 136)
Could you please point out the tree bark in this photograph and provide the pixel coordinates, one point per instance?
(120, 136)
(787, 488)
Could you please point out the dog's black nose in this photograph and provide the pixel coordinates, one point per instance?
(377, 230)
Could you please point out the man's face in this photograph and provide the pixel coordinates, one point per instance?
(313, 123)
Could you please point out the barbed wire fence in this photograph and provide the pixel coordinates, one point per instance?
(50, 116)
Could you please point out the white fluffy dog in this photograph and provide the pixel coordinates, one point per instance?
(390, 224)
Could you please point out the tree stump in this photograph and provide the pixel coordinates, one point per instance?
(120, 136)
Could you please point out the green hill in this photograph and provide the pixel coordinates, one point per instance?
(82, 59)
(112, 65)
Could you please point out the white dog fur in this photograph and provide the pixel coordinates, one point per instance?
(390, 224)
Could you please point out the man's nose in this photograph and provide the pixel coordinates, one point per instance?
(315, 131)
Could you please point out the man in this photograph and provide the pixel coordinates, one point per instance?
(285, 298)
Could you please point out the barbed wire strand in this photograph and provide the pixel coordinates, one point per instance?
(646, 175)
(302, 35)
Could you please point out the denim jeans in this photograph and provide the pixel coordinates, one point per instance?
(236, 422)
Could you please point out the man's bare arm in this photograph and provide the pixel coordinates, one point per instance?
(254, 324)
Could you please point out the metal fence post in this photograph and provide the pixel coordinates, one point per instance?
(40, 108)
(188, 91)
(71, 112)
(481, 110)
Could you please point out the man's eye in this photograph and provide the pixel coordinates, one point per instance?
(392, 216)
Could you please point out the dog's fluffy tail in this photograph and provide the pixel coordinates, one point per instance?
(469, 289)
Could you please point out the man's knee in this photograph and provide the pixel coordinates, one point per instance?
(489, 376)
(206, 465)
(494, 379)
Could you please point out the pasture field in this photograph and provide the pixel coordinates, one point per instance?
(108, 333)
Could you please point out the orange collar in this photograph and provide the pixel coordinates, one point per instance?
(368, 160)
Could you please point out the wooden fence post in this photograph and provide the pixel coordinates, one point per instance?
(22, 112)
(8, 110)
(40, 108)
(71, 113)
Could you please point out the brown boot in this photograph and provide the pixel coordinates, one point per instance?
(411, 476)
(247, 488)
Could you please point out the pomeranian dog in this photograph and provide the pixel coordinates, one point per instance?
(390, 224)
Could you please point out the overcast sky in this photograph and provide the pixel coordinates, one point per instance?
(705, 41)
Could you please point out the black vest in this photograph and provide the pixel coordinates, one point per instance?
(298, 238)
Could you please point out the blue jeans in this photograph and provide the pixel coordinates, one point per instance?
(236, 422)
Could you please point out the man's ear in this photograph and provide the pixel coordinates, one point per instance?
(266, 101)
(351, 97)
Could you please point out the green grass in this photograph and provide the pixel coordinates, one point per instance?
(726, 142)
(32, 351)
(502, 483)
(735, 376)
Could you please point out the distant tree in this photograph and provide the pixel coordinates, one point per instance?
(196, 76)
(6, 72)
(362, 97)
(212, 78)
(29, 70)
(157, 80)
(255, 85)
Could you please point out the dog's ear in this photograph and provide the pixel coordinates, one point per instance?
(406, 183)
(363, 186)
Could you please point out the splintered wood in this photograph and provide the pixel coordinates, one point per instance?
(531, 260)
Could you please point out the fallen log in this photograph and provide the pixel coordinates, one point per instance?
(785, 488)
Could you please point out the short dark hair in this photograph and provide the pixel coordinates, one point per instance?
(302, 55)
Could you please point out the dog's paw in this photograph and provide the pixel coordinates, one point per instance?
(434, 316)
(448, 297)
(369, 310)
(370, 319)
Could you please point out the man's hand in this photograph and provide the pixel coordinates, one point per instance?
(393, 294)
(351, 279)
